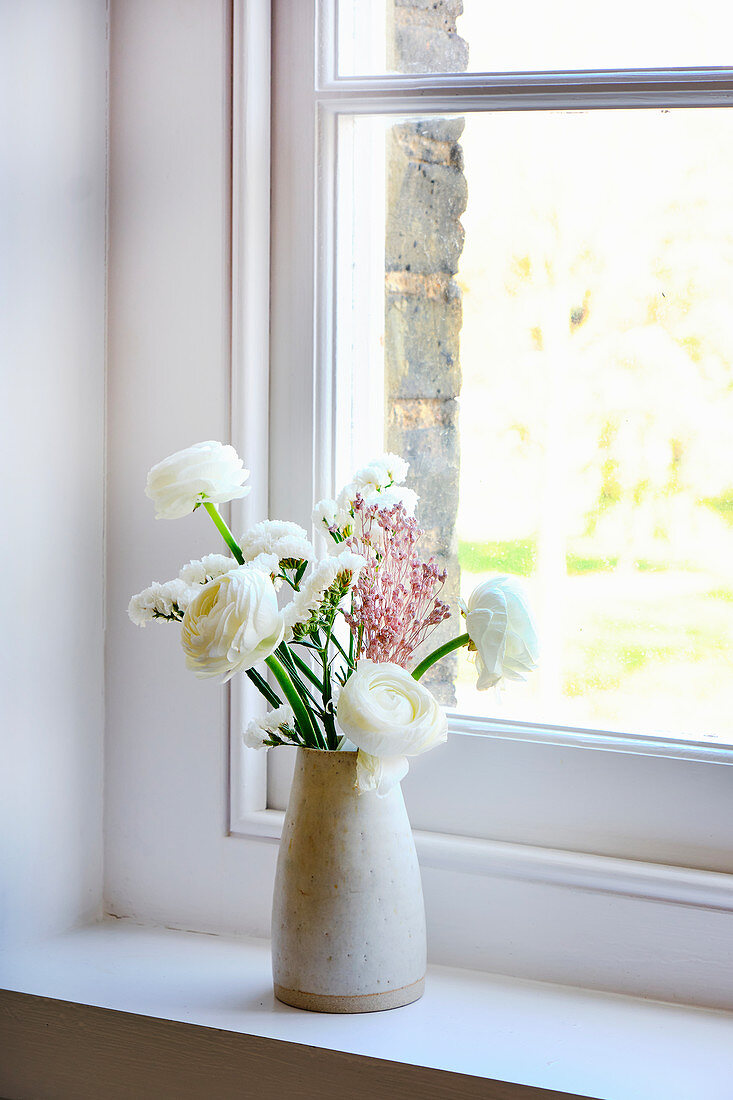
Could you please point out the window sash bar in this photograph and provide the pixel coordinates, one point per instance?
(718, 80)
(384, 97)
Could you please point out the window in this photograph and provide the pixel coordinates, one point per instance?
(330, 219)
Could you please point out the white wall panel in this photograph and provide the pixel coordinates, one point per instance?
(53, 84)
(168, 858)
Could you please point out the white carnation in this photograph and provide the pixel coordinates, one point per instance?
(161, 601)
(371, 478)
(384, 499)
(394, 494)
(207, 471)
(287, 541)
(396, 467)
(377, 483)
(342, 567)
(206, 569)
(325, 514)
(381, 472)
(345, 499)
(260, 730)
(268, 563)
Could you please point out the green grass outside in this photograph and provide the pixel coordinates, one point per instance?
(723, 505)
(519, 556)
(515, 556)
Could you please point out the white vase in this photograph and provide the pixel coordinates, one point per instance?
(348, 919)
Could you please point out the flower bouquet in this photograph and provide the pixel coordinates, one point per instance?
(338, 633)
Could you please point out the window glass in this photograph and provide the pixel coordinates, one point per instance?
(533, 308)
(444, 36)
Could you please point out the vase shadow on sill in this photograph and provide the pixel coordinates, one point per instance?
(266, 1002)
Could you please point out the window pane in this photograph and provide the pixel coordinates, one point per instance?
(545, 320)
(425, 36)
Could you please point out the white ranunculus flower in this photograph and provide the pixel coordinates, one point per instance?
(387, 713)
(379, 773)
(502, 631)
(232, 623)
(207, 471)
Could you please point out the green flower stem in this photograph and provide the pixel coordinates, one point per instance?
(303, 690)
(328, 723)
(305, 669)
(441, 651)
(224, 531)
(302, 716)
(348, 657)
(263, 687)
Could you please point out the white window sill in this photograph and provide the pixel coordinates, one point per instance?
(547, 1036)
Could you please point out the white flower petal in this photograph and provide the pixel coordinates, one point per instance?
(386, 712)
(232, 623)
(206, 569)
(500, 626)
(161, 602)
(261, 729)
(379, 773)
(207, 471)
(279, 537)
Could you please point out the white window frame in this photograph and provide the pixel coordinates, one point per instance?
(302, 402)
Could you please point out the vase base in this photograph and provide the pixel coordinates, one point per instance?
(364, 1002)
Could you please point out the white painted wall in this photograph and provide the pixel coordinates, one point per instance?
(53, 59)
(169, 349)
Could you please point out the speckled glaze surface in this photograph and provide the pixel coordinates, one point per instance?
(348, 919)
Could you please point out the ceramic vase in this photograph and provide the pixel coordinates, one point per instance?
(348, 919)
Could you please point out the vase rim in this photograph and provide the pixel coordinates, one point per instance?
(328, 752)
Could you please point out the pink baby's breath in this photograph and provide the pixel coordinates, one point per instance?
(396, 601)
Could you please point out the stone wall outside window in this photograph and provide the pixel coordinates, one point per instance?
(426, 195)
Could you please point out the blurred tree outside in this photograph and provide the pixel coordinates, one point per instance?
(597, 350)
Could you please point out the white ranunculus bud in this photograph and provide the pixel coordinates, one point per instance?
(387, 713)
(502, 631)
(208, 471)
(232, 623)
(379, 773)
